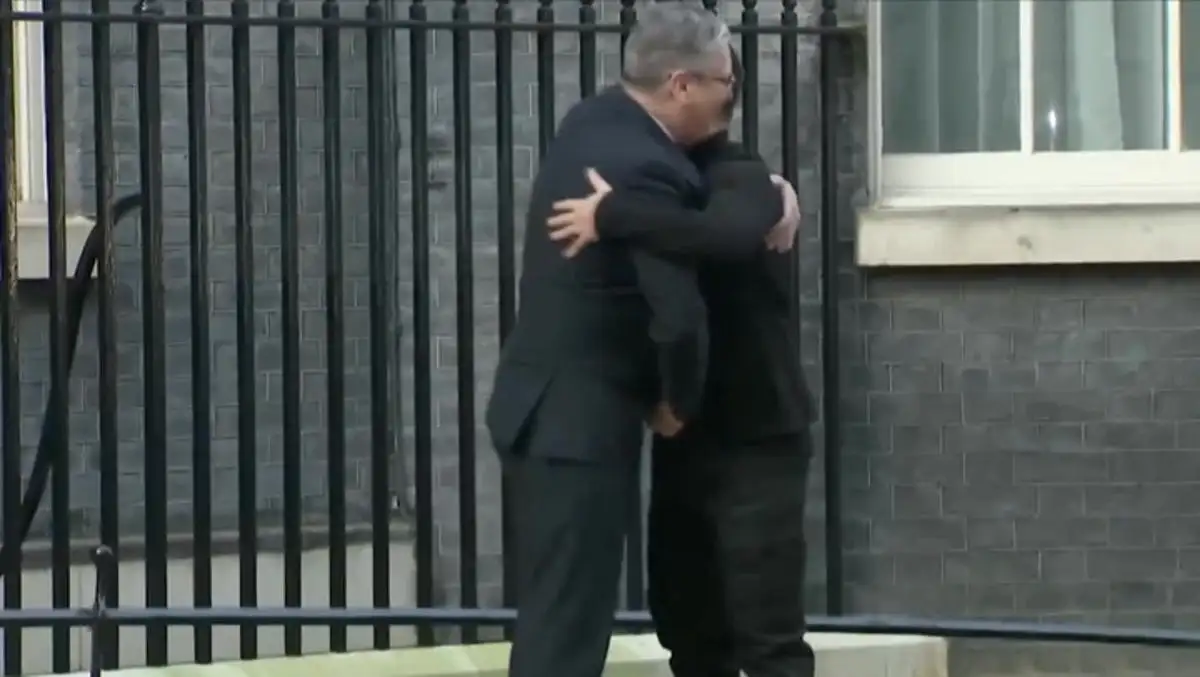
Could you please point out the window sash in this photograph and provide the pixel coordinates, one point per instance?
(1028, 178)
(30, 108)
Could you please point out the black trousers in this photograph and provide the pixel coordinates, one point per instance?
(571, 522)
(726, 555)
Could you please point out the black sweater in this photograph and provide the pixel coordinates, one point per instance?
(756, 387)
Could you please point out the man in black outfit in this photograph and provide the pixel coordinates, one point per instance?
(606, 338)
(726, 541)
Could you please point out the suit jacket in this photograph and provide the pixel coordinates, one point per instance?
(756, 387)
(599, 338)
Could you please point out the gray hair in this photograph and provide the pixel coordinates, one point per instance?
(672, 36)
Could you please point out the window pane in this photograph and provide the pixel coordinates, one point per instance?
(1190, 34)
(950, 76)
(1101, 77)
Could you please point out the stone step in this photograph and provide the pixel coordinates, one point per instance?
(838, 655)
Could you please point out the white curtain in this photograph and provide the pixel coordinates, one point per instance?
(951, 75)
(1101, 68)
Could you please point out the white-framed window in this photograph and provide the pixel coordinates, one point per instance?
(30, 109)
(1034, 102)
(33, 223)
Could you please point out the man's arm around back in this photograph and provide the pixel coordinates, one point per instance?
(679, 318)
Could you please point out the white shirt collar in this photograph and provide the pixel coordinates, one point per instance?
(663, 127)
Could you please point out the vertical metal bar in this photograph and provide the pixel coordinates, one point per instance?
(507, 252)
(289, 244)
(422, 327)
(106, 327)
(546, 118)
(635, 555)
(465, 316)
(153, 334)
(60, 368)
(244, 289)
(635, 586)
(790, 82)
(197, 91)
(331, 49)
(587, 49)
(103, 561)
(749, 83)
(10, 357)
(397, 270)
(830, 332)
(627, 16)
(382, 439)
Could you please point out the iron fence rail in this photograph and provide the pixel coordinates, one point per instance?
(343, 22)
(100, 615)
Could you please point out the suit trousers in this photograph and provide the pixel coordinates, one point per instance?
(726, 555)
(571, 523)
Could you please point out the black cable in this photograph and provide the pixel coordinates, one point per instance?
(54, 421)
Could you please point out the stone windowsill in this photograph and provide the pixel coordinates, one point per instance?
(33, 242)
(1001, 236)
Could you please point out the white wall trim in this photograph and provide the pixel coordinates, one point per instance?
(33, 241)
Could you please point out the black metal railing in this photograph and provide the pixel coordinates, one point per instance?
(285, 171)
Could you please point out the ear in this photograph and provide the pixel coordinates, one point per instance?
(679, 81)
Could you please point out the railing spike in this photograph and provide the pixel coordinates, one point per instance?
(103, 561)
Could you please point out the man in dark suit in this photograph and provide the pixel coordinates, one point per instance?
(726, 541)
(604, 339)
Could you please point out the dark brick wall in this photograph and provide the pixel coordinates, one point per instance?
(1018, 443)
(80, 172)
(1020, 446)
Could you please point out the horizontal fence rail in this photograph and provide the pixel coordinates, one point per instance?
(263, 400)
(551, 26)
(632, 620)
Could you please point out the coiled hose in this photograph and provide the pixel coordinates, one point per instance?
(53, 422)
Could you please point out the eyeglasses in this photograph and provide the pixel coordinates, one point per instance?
(727, 80)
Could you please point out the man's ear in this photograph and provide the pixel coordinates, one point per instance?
(680, 82)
